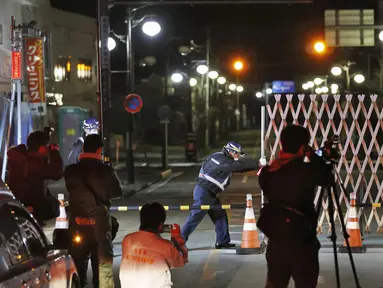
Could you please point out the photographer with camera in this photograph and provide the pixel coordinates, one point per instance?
(91, 185)
(146, 256)
(289, 219)
(29, 168)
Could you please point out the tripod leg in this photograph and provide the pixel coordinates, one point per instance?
(346, 238)
(333, 236)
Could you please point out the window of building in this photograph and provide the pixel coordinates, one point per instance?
(84, 70)
(62, 69)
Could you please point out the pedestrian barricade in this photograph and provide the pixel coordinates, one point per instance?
(358, 121)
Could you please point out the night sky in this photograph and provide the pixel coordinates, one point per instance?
(273, 39)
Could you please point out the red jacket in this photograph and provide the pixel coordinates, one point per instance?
(28, 172)
(147, 259)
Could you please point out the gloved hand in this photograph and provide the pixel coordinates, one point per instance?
(176, 235)
(262, 161)
(54, 147)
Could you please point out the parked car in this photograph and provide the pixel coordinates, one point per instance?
(27, 258)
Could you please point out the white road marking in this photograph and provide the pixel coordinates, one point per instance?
(161, 184)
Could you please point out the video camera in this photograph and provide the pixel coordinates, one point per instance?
(330, 151)
(167, 228)
(48, 132)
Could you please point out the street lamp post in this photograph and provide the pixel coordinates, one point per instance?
(150, 28)
(131, 88)
(358, 78)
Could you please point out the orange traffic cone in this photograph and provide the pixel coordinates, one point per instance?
(61, 221)
(353, 230)
(250, 239)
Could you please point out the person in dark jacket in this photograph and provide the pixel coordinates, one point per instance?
(89, 126)
(214, 178)
(289, 219)
(29, 168)
(91, 185)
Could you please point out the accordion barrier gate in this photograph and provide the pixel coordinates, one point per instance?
(358, 120)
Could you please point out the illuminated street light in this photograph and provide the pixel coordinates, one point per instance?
(192, 82)
(310, 84)
(221, 80)
(318, 90)
(213, 75)
(238, 65)
(318, 81)
(151, 28)
(269, 90)
(240, 89)
(336, 71)
(334, 87)
(359, 78)
(202, 69)
(177, 77)
(319, 47)
(259, 94)
(305, 86)
(324, 90)
(111, 44)
(232, 87)
(334, 91)
(381, 36)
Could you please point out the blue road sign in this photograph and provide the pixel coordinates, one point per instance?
(283, 87)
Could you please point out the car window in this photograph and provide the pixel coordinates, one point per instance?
(12, 246)
(28, 228)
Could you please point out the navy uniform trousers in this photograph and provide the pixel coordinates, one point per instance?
(219, 217)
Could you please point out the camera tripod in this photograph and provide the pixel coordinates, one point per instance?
(332, 191)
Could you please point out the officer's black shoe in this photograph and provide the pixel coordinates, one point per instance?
(224, 245)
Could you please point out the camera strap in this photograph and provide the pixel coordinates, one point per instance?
(290, 209)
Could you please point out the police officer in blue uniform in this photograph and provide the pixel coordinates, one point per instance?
(89, 126)
(214, 177)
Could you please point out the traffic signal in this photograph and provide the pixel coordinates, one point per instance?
(319, 47)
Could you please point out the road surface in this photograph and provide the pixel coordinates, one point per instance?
(208, 267)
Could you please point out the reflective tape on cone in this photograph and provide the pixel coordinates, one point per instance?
(353, 230)
(62, 220)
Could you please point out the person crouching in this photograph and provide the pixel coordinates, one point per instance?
(147, 257)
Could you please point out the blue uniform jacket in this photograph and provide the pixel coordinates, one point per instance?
(216, 171)
(76, 151)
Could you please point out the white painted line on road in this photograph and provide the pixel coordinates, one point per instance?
(209, 269)
(161, 184)
(321, 280)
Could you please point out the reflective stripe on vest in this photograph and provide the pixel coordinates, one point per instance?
(216, 182)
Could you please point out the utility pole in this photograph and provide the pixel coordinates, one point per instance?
(208, 44)
(131, 88)
(104, 91)
(17, 46)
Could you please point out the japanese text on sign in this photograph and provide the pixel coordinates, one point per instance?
(16, 65)
(35, 70)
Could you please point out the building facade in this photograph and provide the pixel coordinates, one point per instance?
(70, 57)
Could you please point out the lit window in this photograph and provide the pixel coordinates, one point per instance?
(62, 69)
(54, 99)
(84, 70)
